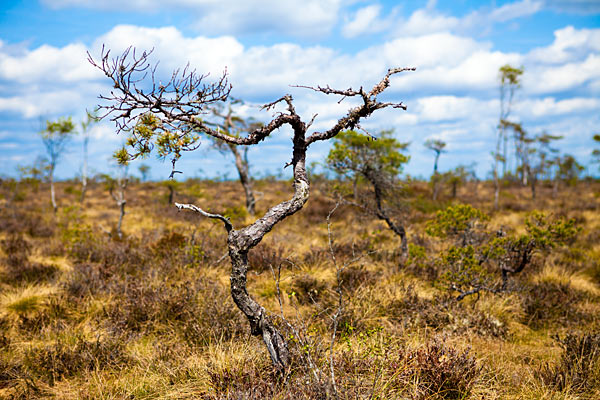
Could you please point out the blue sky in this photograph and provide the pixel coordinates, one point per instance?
(457, 47)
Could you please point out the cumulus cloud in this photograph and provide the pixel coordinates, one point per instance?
(453, 93)
(429, 20)
(172, 48)
(366, 20)
(35, 104)
(515, 10)
(425, 21)
(305, 18)
(549, 106)
(554, 79)
(452, 108)
(47, 64)
(569, 44)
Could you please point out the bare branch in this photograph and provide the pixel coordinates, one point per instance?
(192, 207)
(178, 101)
(370, 104)
(385, 82)
(328, 90)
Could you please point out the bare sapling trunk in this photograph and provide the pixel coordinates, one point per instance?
(55, 138)
(245, 179)
(532, 185)
(496, 177)
(436, 187)
(119, 198)
(52, 191)
(230, 125)
(437, 146)
(171, 194)
(496, 190)
(84, 169)
(436, 177)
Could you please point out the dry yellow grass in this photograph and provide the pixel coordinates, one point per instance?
(388, 311)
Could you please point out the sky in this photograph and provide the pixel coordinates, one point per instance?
(268, 46)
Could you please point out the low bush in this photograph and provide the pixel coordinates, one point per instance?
(547, 303)
(64, 359)
(578, 369)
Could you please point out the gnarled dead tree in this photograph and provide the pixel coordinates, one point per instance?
(168, 116)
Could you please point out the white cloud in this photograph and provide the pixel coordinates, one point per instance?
(366, 20)
(453, 93)
(512, 11)
(428, 20)
(569, 44)
(172, 48)
(553, 79)
(47, 64)
(478, 23)
(452, 108)
(306, 18)
(477, 72)
(549, 106)
(37, 104)
(425, 21)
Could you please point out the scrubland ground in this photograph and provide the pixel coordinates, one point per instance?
(84, 315)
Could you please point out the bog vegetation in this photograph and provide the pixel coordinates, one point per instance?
(86, 314)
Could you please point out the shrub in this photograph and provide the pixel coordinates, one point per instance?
(353, 277)
(169, 244)
(444, 372)
(307, 290)
(64, 359)
(548, 232)
(87, 279)
(264, 257)
(435, 371)
(549, 302)
(463, 270)
(17, 250)
(457, 222)
(142, 308)
(579, 366)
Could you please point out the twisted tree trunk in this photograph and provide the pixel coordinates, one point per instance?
(241, 241)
